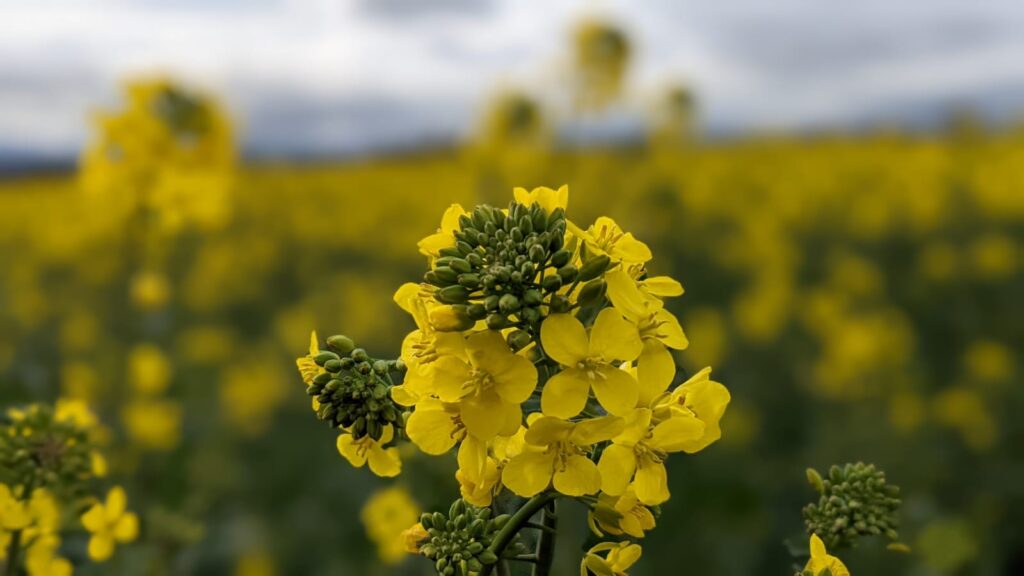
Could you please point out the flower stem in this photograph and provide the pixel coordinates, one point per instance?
(516, 523)
(545, 551)
(13, 551)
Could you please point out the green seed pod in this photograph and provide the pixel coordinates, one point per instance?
(592, 292)
(594, 267)
(452, 294)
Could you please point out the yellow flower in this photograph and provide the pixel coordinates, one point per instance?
(638, 455)
(443, 238)
(619, 558)
(557, 452)
(149, 370)
(489, 388)
(624, 514)
(821, 560)
(14, 514)
(153, 424)
(547, 198)
(435, 426)
(76, 412)
(383, 462)
(699, 397)
(110, 523)
(308, 369)
(481, 465)
(41, 557)
(658, 328)
(605, 237)
(412, 536)
(589, 363)
(387, 516)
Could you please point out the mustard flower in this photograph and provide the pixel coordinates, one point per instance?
(590, 363)
(443, 238)
(110, 523)
(699, 397)
(604, 237)
(383, 462)
(547, 198)
(619, 557)
(617, 515)
(821, 560)
(557, 452)
(489, 387)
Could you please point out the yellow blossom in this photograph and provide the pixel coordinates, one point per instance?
(619, 557)
(701, 398)
(308, 369)
(387, 515)
(557, 452)
(547, 198)
(821, 560)
(110, 523)
(383, 461)
(617, 515)
(489, 388)
(589, 363)
(412, 536)
(604, 237)
(443, 238)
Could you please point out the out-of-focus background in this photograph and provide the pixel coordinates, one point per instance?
(188, 188)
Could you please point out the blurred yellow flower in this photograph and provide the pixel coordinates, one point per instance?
(387, 515)
(619, 557)
(149, 370)
(110, 523)
(153, 424)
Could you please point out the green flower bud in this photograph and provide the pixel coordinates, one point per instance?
(561, 258)
(592, 292)
(497, 322)
(594, 267)
(343, 345)
(532, 297)
(559, 304)
(333, 365)
(322, 358)
(508, 304)
(476, 311)
(452, 295)
(551, 283)
(446, 275)
(469, 280)
(518, 340)
(360, 355)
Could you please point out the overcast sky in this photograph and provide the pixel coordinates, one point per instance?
(324, 77)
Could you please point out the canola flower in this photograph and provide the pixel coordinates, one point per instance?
(541, 350)
(49, 466)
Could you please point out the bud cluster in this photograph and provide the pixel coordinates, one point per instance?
(459, 542)
(354, 389)
(855, 501)
(505, 266)
(40, 450)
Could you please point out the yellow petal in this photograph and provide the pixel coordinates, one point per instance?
(432, 430)
(613, 337)
(450, 218)
(94, 520)
(627, 556)
(676, 433)
(348, 448)
(450, 376)
(630, 250)
(117, 503)
(565, 394)
(578, 477)
(512, 419)
(651, 482)
(670, 332)
(385, 462)
(548, 430)
(515, 379)
(616, 390)
(564, 339)
(594, 430)
(528, 473)
(404, 395)
(626, 296)
(637, 423)
(472, 459)
(617, 465)
(101, 547)
(655, 370)
(406, 297)
(483, 414)
(127, 528)
(663, 286)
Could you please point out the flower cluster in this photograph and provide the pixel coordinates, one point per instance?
(542, 351)
(855, 501)
(48, 463)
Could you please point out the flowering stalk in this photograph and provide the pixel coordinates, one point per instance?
(543, 352)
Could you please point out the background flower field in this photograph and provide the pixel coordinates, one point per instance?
(860, 293)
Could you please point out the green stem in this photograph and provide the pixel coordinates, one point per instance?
(545, 551)
(516, 523)
(13, 551)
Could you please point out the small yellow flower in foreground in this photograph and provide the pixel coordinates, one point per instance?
(489, 388)
(604, 237)
(443, 238)
(41, 557)
(383, 462)
(699, 397)
(821, 560)
(619, 558)
(387, 516)
(638, 455)
(110, 523)
(556, 452)
(547, 198)
(590, 363)
(620, 515)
